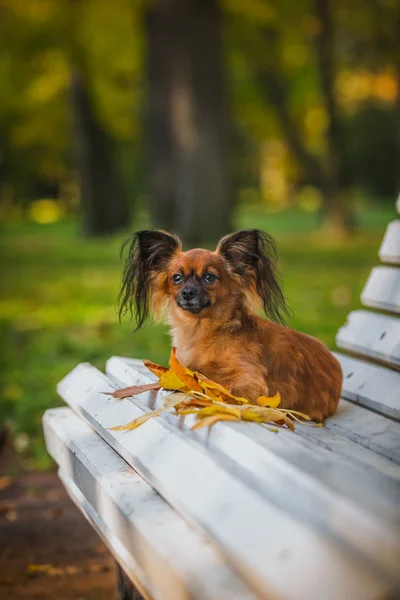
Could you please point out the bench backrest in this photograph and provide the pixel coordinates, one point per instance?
(374, 335)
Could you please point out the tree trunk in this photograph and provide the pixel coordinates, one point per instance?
(335, 214)
(104, 205)
(103, 200)
(188, 122)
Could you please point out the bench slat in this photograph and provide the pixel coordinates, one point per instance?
(167, 556)
(378, 436)
(372, 386)
(338, 472)
(369, 429)
(382, 289)
(119, 552)
(373, 335)
(179, 468)
(389, 251)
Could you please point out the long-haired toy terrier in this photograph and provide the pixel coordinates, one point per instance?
(212, 300)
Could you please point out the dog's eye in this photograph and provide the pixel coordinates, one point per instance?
(210, 278)
(177, 278)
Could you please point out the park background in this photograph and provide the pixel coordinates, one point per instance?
(199, 117)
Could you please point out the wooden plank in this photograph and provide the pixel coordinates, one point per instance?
(376, 434)
(370, 430)
(235, 511)
(373, 335)
(382, 289)
(118, 551)
(389, 251)
(372, 386)
(159, 549)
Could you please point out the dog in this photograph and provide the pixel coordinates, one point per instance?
(212, 302)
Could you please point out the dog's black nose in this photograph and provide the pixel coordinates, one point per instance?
(189, 292)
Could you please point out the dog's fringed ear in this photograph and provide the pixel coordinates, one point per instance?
(149, 254)
(252, 255)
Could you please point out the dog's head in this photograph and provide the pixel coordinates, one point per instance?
(241, 273)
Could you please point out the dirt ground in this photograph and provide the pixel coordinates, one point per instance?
(47, 549)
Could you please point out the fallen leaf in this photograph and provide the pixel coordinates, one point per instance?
(211, 420)
(34, 568)
(219, 409)
(12, 516)
(249, 415)
(271, 402)
(184, 374)
(5, 482)
(154, 368)
(289, 424)
(196, 402)
(133, 390)
(223, 392)
(170, 402)
(171, 381)
(137, 422)
(98, 568)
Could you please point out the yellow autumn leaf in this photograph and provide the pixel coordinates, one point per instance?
(249, 415)
(136, 422)
(212, 419)
(271, 402)
(170, 402)
(219, 409)
(170, 381)
(154, 368)
(223, 393)
(184, 374)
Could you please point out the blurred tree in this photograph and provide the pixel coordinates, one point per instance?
(188, 119)
(309, 61)
(323, 172)
(104, 205)
(103, 201)
(33, 77)
(311, 103)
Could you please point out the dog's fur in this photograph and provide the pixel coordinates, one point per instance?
(212, 300)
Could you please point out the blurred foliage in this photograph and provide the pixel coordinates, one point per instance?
(58, 291)
(58, 304)
(35, 153)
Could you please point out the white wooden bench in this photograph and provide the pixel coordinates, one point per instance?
(241, 512)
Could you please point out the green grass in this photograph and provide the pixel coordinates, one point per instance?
(58, 304)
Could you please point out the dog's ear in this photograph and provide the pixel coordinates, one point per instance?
(149, 255)
(252, 256)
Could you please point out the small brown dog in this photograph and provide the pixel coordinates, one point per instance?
(212, 300)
